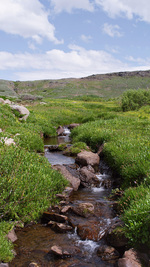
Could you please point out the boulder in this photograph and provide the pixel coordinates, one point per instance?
(84, 209)
(22, 110)
(60, 130)
(130, 258)
(107, 253)
(74, 182)
(87, 177)
(85, 158)
(7, 101)
(12, 236)
(115, 236)
(59, 251)
(88, 230)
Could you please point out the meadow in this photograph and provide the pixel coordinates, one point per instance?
(24, 171)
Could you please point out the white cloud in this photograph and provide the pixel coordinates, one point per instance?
(111, 30)
(26, 18)
(69, 5)
(77, 62)
(86, 38)
(127, 8)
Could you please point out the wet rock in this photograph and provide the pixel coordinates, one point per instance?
(56, 250)
(115, 236)
(12, 236)
(85, 158)
(87, 177)
(61, 196)
(84, 209)
(60, 130)
(88, 230)
(130, 258)
(68, 191)
(4, 264)
(73, 125)
(66, 209)
(107, 253)
(107, 183)
(51, 216)
(60, 227)
(51, 147)
(74, 182)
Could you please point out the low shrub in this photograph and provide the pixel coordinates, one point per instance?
(134, 99)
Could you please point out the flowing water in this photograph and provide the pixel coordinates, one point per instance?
(35, 240)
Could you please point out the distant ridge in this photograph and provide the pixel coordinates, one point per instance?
(107, 85)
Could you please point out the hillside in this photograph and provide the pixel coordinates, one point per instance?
(103, 85)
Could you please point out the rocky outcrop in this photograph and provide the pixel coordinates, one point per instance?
(22, 110)
(130, 258)
(74, 182)
(86, 158)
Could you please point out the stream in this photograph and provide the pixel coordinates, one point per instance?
(35, 240)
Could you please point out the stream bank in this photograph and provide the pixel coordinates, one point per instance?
(75, 232)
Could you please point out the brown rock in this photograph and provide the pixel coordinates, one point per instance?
(73, 125)
(60, 252)
(66, 209)
(12, 236)
(107, 253)
(60, 130)
(51, 216)
(115, 236)
(130, 259)
(87, 177)
(74, 182)
(85, 158)
(84, 209)
(62, 228)
(88, 230)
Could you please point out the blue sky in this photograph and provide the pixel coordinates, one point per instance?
(53, 39)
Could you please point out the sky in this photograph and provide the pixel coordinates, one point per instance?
(54, 39)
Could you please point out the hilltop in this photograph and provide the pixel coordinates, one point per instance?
(103, 85)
